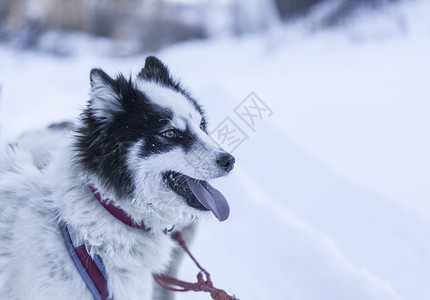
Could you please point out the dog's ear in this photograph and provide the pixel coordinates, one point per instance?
(105, 100)
(155, 70)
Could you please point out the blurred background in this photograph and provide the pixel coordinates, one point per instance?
(330, 196)
(146, 25)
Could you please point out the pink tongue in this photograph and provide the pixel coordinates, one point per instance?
(210, 198)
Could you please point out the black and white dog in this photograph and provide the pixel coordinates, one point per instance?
(113, 188)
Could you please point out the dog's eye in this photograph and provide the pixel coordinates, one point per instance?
(202, 126)
(170, 134)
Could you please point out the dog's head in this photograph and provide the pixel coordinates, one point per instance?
(146, 141)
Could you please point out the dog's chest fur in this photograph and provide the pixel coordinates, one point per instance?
(34, 261)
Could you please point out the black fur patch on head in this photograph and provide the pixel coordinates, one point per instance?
(155, 70)
(103, 141)
(100, 73)
(102, 144)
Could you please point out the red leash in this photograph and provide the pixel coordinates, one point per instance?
(201, 285)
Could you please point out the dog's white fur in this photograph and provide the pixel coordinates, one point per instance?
(38, 188)
(34, 263)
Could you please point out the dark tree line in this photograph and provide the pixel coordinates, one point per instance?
(153, 24)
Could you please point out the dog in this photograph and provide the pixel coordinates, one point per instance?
(140, 146)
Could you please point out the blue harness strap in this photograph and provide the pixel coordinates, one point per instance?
(92, 270)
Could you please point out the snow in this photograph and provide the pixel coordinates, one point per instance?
(330, 195)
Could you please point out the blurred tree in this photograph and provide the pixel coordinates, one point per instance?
(346, 8)
(150, 24)
(289, 9)
(339, 10)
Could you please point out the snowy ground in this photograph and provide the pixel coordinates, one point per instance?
(330, 196)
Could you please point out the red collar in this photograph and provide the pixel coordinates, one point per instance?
(118, 212)
(93, 272)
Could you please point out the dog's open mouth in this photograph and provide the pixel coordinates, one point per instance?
(198, 194)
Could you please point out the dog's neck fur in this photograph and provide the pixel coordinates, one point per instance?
(129, 254)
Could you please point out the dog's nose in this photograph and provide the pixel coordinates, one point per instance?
(226, 161)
